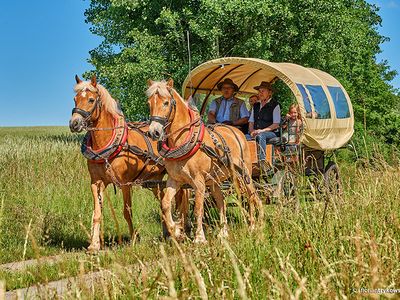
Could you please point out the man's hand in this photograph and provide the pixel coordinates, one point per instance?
(211, 117)
(254, 132)
(227, 123)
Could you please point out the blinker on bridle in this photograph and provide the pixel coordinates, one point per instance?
(164, 121)
(87, 114)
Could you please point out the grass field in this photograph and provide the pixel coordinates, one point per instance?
(46, 208)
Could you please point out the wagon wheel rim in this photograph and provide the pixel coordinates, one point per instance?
(332, 182)
(288, 191)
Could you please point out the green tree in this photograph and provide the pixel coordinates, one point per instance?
(148, 39)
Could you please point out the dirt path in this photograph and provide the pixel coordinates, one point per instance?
(48, 260)
(21, 265)
(69, 287)
(55, 289)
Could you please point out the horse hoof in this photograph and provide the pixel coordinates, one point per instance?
(252, 227)
(200, 240)
(135, 238)
(223, 233)
(178, 232)
(93, 250)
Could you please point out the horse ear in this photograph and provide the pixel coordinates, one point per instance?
(170, 83)
(78, 80)
(94, 80)
(150, 82)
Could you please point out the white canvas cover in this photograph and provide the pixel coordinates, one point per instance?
(324, 103)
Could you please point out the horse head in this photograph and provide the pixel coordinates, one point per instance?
(87, 104)
(162, 107)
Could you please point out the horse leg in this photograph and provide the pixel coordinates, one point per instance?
(221, 204)
(200, 188)
(126, 193)
(170, 192)
(159, 194)
(182, 206)
(97, 192)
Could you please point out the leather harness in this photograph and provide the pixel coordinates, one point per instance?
(189, 147)
(117, 143)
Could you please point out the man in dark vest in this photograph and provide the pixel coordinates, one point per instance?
(228, 109)
(265, 117)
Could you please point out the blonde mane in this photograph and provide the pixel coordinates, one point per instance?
(160, 88)
(108, 102)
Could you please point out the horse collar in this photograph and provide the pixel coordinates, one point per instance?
(188, 148)
(113, 147)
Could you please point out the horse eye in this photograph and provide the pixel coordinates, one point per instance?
(91, 100)
(165, 103)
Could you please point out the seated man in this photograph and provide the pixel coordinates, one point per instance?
(265, 117)
(228, 109)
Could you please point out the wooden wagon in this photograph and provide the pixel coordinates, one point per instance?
(325, 107)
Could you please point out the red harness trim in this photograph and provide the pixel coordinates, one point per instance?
(119, 148)
(188, 137)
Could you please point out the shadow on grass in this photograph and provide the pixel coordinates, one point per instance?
(71, 243)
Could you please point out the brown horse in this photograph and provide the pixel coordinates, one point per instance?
(197, 156)
(116, 154)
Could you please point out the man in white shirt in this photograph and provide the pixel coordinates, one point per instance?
(265, 117)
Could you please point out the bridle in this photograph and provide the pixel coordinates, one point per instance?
(86, 115)
(165, 121)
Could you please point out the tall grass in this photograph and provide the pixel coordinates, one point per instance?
(293, 254)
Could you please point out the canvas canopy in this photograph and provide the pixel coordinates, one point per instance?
(324, 103)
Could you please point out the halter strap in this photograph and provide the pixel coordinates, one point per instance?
(84, 113)
(165, 121)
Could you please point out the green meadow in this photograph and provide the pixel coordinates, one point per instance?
(46, 209)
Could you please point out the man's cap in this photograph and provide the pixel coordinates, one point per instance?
(265, 85)
(229, 82)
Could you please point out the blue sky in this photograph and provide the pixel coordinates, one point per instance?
(45, 43)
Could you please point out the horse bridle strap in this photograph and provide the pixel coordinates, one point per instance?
(84, 113)
(165, 120)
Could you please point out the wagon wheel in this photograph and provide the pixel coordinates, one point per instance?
(289, 185)
(263, 189)
(286, 189)
(332, 182)
(332, 186)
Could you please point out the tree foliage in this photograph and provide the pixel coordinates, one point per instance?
(148, 39)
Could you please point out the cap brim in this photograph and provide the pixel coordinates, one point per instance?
(264, 87)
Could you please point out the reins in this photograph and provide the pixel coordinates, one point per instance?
(195, 121)
(103, 129)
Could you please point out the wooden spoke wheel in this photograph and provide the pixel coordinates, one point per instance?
(331, 180)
